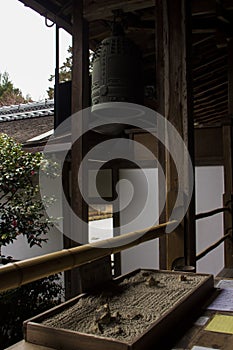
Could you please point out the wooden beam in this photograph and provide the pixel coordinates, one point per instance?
(51, 12)
(221, 20)
(204, 25)
(213, 72)
(95, 10)
(210, 97)
(207, 64)
(211, 112)
(211, 119)
(208, 115)
(205, 53)
(203, 7)
(214, 107)
(227, 4)
(200, 39)
(173, 37)
(223, 14)
(215, 81)
(210, 102)
(211, 89)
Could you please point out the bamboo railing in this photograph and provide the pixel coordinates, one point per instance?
(211, 213)
(214, 245)
(227, 235)
(16, 274)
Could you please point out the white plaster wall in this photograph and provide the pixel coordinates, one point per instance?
(20, 249)
(209, 191)
(147, 254)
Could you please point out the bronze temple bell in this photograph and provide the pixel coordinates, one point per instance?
(116, 77)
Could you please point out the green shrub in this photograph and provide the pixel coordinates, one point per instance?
(19, 304)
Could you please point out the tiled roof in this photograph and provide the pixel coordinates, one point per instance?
(26, 121)
(27, 111)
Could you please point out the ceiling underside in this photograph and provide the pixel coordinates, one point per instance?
(212, 27)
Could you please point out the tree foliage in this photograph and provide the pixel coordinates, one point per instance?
(21, 213)
(21, 208)
(9, 94)
(64, 73)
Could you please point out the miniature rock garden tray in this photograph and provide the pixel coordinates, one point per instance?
(133, 312)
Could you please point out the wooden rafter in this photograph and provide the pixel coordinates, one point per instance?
(200, 39)
(208, 7)
(207, 118)
(211, 111)
(210, 102)
(95, 10)
(51, 11)
(211, 89)
(204, 25)
(211, 97)
(209, 108)
(203, 7)
(207, 64)
(205, 86)
(210, 73)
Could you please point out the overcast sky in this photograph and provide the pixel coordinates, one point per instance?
(27, 48)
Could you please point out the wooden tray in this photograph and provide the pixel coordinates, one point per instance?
(160, 333)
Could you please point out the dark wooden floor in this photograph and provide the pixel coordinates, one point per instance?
(226, 273)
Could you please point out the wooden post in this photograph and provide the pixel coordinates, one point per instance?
(80, 92)
(91, 274)
(80, 87)
(228, 170)
(161, 78)
(116, 219)
(173, 87)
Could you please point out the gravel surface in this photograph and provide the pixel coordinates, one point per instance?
(124, 311)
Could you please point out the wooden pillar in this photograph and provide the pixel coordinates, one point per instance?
(116, 219)
(80, 99)
(174, 92)
(87, 276)
(161, 79)
(228, 169)
(80, 88)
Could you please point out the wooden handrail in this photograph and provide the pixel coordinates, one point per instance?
(211, 213)
(16, 274)
(213, 246)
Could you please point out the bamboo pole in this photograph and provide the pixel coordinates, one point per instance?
(213, 246)
(16, 274)
(211, 213)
